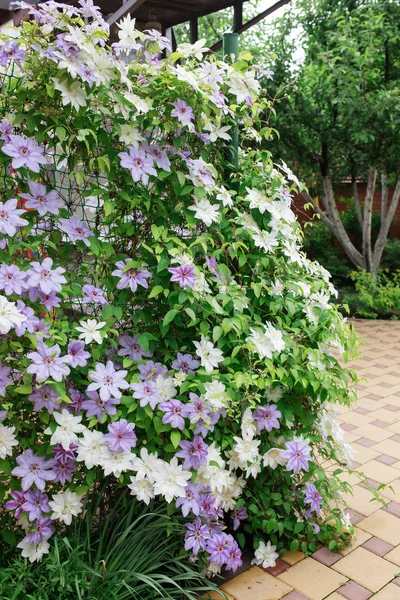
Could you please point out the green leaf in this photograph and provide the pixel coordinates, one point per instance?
(109, 207)
(9, 537)
(144, 341)
(175, 438)
(171, 314)
(5, 466)
(191, 313)
(217, 332)
(157, 289)
(181, 177)
(294, 545)
(24, 389)
(61, 133)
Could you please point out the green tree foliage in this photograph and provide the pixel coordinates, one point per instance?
(338, 110)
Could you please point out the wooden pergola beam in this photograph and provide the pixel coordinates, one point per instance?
(254, 21)
(127, 7)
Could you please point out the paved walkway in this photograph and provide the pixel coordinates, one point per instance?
(370, 568)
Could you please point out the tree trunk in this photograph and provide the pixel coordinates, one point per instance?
(367, 220)
(384, 230)
(357, 202)
(337, 226)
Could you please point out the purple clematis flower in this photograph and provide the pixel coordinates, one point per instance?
(298, 456)
(235, 555)
(34, 470)
(42, 328)
(185, 363)
(130, 277)
(77, 354)
(217, 548)
(208, 507)
(182, 112)
(66, 46)
(131, 348)
(77, 400)
(5, 380)
(40, 201)
(140, 165)
(45, 278)
(108, 381)
(93, 294)
(152, 370)
(6, 130)
(25, 152)
(147, 392)
(200, 413)
(184, 275)
(120, 436)
(3, 415)
(76, 229)
(173, 413)
(63, 471)
(43, 530)
(196, 537)
(87, 75)
(35, 504)
(194, 452)
(18, 499)
(155, 36)
(50, 300)
(267, 417)
(201, 173)
(47, 362)
(11, 51)
(312, 497)
(31, 320)
(62, 455)
(212, 265)
(45, 397)
(159, 156)
(240, 514)
(190, 502)
(10, 218)
(96, 407)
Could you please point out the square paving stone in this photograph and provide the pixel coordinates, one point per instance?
(377, 546)
(295, 596)
(366, 569)
(382, 525)
(379, 472)
(389, 592)
(293, 557)
(393, 508)
(326, 557)
(255, 584)
(353, 591)
(280, 567)
(313, 579)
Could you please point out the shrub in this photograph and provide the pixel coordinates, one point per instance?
(391, 255)
(162, 328)
(375, 299)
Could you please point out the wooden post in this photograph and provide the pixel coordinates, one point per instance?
(237, 14)
(194, 30)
